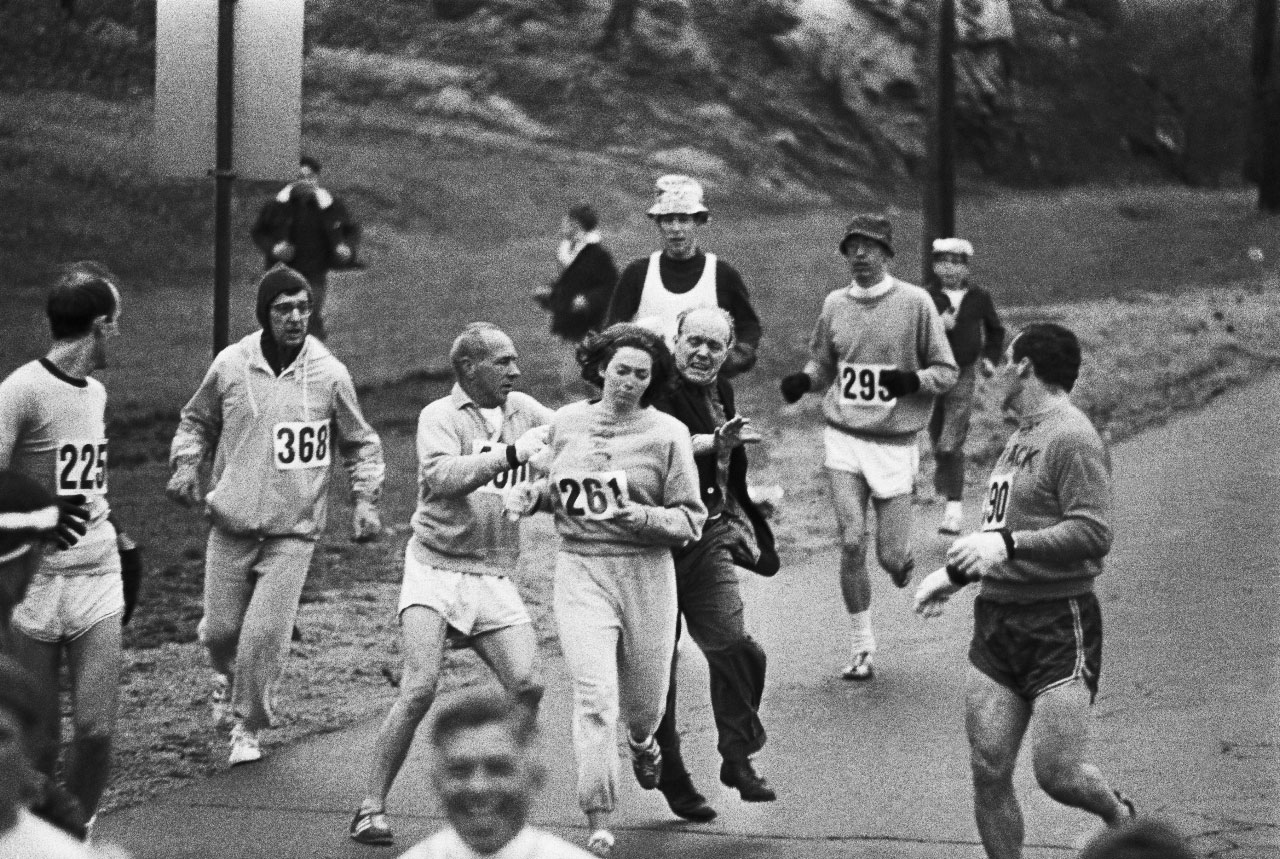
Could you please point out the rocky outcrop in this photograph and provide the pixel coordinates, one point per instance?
(875, 53)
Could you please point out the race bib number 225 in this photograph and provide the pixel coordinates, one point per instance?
(302, 444)
(81, 466)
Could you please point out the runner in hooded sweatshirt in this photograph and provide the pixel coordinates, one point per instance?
(272, 413)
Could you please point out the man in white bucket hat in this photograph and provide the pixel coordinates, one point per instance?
(655, 290)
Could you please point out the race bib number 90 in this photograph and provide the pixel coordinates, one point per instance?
(995, 507)
(81, 467)
(593, 496)
(302, 444)
(505, 479)
(860, 386)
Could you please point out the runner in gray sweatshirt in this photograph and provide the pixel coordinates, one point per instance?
(1036, 651)
(880, 355)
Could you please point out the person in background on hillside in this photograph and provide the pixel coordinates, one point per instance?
(879, 355)
(735, 536)
(271, 413)
(1036, 651)
(975, 334)
(485, 770)
(653, 291)
(624, 487)
(308, 228)
(579, 297)
(53, 430)
(472, 446)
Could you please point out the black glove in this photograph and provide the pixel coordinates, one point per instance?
(132, 570)
(795, 386)
(899, 383)
(73, 513)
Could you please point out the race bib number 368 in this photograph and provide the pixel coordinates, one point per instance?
(81, 467)
(860, 386)
(592, 496)
(995, 507)
(302, 444)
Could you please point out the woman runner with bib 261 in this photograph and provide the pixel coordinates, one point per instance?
(625, 491)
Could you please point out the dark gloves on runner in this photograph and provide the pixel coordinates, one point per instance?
(899, 383)
(73, 514)
(795, 386)
(132, 570)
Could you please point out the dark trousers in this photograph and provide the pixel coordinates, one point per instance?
(709, 600)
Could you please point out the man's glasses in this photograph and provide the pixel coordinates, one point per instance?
(286, 309)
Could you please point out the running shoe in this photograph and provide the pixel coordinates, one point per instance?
(601, 843)
(646, 761)
(952, 522)
(1124, 800)
(860, 668)
(370, 827)
(220, 701)
(245, 747)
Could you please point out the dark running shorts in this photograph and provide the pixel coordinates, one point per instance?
(1034, 647)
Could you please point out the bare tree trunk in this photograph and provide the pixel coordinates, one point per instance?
(618, 26)
(1262, 164)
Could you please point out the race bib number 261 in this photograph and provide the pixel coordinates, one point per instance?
(593, 496)
(860, 386)
(81, 467)
(302, 444)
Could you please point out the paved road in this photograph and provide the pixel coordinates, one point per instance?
(1187, 717)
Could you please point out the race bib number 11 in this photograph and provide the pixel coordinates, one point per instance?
(81, 467)
(860, 386)
(995, 508)
(302, 444)
(593, 496)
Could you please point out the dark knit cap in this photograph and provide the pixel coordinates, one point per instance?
(874, 227)
(279, 280)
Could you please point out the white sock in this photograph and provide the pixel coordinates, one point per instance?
(863, 639)
(955, 508)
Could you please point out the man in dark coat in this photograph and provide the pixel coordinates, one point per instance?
(736, 535)
(578, 298)
(308, 229)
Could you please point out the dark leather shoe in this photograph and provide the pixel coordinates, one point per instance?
(750, 784)
(686, 802)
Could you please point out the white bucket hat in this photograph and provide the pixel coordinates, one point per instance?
(953, 246)
(677, 195)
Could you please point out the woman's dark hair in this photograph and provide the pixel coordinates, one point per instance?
(83, 292)
(1054, 353)
(595, 353)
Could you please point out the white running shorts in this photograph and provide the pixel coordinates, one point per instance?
(889, 469)
(62, 608)
(472, 604)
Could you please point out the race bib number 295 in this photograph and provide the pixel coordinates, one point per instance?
(860, 386)
(302, 444)
(81, 467)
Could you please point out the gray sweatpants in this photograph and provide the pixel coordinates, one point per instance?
(252, 586)
(617, 621)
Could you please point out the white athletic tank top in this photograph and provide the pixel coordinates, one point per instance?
(660, 308)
